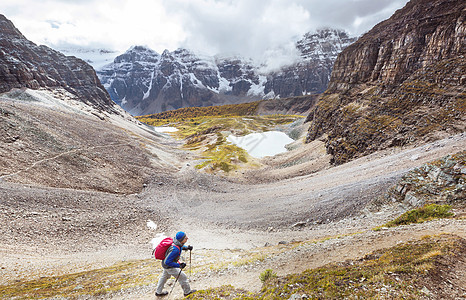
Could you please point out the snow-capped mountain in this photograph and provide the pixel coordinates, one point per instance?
(144, 82)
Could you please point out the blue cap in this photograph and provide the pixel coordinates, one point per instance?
(180, 235)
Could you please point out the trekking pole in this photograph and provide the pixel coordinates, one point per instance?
(176, 280)
(190, 264)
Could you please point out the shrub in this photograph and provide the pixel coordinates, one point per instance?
(267, 275)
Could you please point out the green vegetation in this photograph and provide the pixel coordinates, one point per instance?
(223, 292)
(204, 129)
(92, 283)
(267, 275)
(208, 135)
(183, 114)
(420, 215)
(426, 213)
(399, 272)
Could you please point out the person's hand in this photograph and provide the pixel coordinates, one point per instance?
(189, 248)
(182, 266)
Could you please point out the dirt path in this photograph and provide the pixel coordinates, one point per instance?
(60, 155)
(309, 255)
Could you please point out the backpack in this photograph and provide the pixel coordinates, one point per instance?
(162, 247)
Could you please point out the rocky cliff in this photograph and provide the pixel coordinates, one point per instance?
(24, 64)
(401, 83)
(145, 82)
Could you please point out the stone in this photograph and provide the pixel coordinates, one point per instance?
(412, 200)
(295, 297)
(415, 157)
(426, 291)
(434, 174)
(298, 225)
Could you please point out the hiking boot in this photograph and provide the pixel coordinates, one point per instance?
(164, 293)
(189, 293)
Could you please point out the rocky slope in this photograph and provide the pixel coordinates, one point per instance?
(144, 82)
(24, 64)
(48, 140)
(441, 181)
(401, 83)
(59, 127)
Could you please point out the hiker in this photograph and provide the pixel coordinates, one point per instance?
(171, 267)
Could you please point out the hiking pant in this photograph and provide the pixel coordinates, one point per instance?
(167, 273)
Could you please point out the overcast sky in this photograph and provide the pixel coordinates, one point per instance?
(246, 27)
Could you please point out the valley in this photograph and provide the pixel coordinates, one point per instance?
(365, 198)
(64, 231)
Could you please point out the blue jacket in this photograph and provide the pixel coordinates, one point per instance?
(173, 255)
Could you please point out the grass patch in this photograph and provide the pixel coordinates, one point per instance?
(426, 213)
(224, 158)
(223, 292)
(420, 215)
(98, 282)
(399, 272)
(267, 275)
(239, 125)
(192, 113)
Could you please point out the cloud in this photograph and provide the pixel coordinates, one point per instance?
(114, 24)
(253, 28)
(247, 27)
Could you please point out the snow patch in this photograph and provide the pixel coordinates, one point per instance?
(151, 225)
(224, 85)
(165, 129)
(258, 89)
(147, 93)
(123, 101)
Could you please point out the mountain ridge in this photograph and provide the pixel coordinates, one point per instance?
(145, 82)
(401, 83)
(26, 65)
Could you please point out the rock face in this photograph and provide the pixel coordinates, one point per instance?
(144, 82)
(401, 83)
(443, 181)
(24, 64)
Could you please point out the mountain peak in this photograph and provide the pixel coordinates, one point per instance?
(325, 42)
(144, 82)
(24, 64)
(137, 53)
(8, 29)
